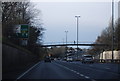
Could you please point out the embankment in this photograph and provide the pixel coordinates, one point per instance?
(15, 61)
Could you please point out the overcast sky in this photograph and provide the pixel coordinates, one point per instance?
(59, 17)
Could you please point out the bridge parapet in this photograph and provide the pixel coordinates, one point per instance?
(74, 45)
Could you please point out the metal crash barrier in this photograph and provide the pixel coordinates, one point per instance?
(107, 61)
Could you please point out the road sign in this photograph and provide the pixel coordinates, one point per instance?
(21, 31)
(24, 31)
(17, 29)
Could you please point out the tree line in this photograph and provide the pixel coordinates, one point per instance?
(15, 13)
(106, 38)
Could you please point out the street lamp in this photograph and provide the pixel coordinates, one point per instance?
(77, 33)
(112, 30)
(66, 37)
(66, 43)
(63, 40)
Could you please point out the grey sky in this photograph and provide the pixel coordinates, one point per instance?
(60, 16)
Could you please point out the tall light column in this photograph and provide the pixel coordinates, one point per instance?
(112, 30)
(66, 43)
(63, 40)
(77, 32)
(66, 36)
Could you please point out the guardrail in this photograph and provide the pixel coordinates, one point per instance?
(107, 60)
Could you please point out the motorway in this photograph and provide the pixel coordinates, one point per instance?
(71, 70)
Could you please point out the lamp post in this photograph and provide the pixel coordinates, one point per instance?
(112, 30)
(63, 40)
(77, 33)
(66, 43)
(66, 37)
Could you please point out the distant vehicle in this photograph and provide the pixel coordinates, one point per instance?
(64, 59)
(47, 59)
(58, 58)
(52, 58)
(69, 59)
(87, 59)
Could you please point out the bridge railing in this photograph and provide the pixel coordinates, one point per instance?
(74, 45)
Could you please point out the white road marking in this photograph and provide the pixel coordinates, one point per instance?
(27, 71)
(75, 72)
(72, 70)
(101, 70)
(78, 73)
(81, 75)
(87, 77)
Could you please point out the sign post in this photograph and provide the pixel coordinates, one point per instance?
(21, 31)
(24, 34)
(24, 31)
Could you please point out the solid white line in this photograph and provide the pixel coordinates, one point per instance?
(27, 71)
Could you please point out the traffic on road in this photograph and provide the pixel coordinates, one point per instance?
(59, 69)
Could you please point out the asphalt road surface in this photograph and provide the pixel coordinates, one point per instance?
(71, 70)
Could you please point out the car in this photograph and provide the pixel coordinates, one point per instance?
(87, 59)
(52, 58)
(47, 59)
(58, 58)
(69, 59)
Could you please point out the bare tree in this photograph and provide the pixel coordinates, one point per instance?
(14, 13)
(106, 38)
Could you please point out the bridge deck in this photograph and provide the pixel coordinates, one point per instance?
(74, 45)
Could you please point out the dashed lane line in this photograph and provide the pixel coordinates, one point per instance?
(75, 72)
(81, 75)
(72, 70)
(102, 70)
(87, 77)
(78, 73)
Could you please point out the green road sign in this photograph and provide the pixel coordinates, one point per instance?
(24, 31)
(21, 31)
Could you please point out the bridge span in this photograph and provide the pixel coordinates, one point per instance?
(50, 45)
